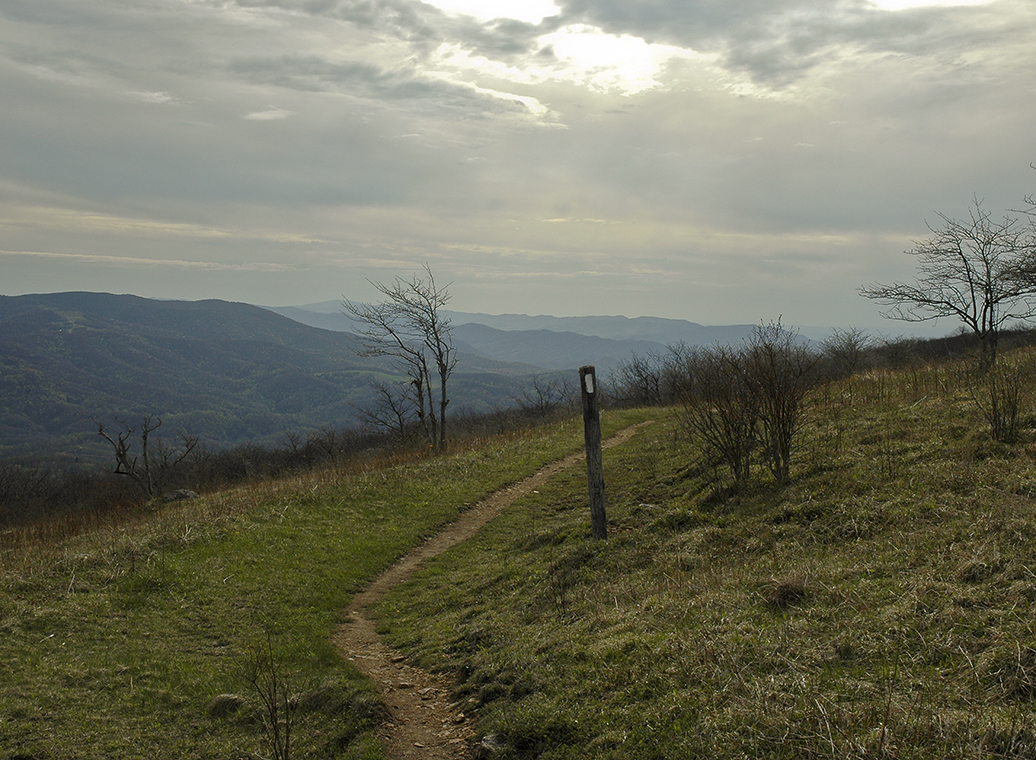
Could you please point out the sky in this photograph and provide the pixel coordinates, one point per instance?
(721, 161)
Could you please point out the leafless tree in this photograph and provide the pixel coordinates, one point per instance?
(411, 327)
(156, 461)
(542, 396)
(978, 270)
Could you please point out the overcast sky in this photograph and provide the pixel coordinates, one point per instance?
(722, 161)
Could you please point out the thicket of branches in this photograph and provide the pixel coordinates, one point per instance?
(742, 403)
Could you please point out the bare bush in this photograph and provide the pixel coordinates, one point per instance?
(278, 706)
(998, 394)
(654, 379)
(846, 352)
(737, 400)
(637, 381)
(723, 410)
(781, 370)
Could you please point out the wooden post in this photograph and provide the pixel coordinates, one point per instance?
(592, 436)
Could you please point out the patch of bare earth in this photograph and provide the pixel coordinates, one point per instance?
(422, 721)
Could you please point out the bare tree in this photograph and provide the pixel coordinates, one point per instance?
(542, 396)
(151, 467)
(410, 326)
(978, 270)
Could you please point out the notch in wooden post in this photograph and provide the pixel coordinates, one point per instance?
(592, 436)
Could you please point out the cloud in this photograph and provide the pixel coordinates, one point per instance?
(130, 262)
(675, 145)
(270, 114)
(79, 222)
(154, 97)
(777, 42)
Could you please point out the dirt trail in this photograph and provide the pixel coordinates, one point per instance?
(422, 722)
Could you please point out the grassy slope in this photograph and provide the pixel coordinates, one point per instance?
(115, 644)
(881, 605)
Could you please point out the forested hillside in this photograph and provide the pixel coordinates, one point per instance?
(228, 373)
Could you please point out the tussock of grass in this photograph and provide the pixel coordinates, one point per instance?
(132, 640)
(880, 605)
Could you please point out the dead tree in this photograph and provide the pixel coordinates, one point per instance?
(151, 467)
(411, 327)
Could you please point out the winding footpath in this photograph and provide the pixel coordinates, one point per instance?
(422, 722)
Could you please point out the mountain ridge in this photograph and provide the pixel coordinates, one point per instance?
(230, 373)
(607, 340)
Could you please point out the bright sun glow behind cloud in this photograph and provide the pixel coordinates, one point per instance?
(531, 11)
(608, 62)
(583, 55)
(898, 5)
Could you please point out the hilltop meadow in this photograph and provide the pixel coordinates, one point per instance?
(876, 604)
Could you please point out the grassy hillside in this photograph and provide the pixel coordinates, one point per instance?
(880, 606)
(120, 642)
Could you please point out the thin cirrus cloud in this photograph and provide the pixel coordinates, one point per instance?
(131, 262)
(270, 114)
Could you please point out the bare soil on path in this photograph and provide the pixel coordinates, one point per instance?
(422, 722)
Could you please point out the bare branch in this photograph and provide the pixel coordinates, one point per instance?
(410, 326)
(979, 271)
(156, 461)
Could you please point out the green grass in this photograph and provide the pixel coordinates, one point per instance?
(117, 643)
(881, 605)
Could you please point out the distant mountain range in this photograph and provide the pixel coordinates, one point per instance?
(229, 373)
(233, 373)
(549, 342)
